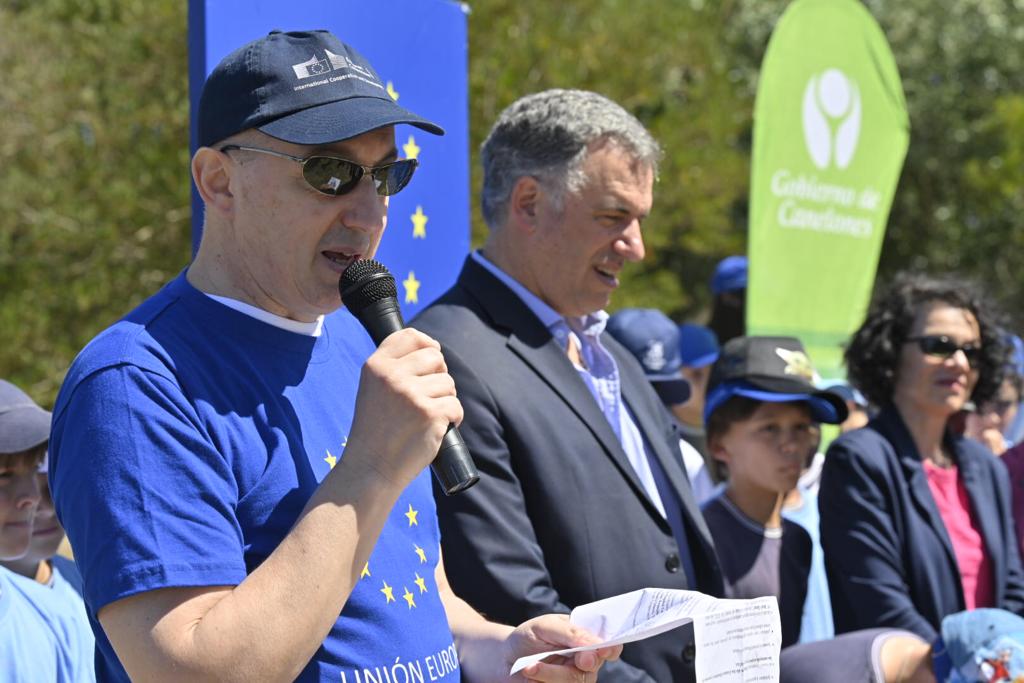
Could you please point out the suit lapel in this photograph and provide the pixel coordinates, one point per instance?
(671, 460)
(529, 339)
(891, 425)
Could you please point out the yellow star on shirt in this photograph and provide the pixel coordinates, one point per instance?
(412, 288)
(408, 598)
(388, 593)
(422, 555)
(366, 571)
(331, 460)
(411, 149)
(421, 582)
(411, 515)
(419, 223)
(391, 91)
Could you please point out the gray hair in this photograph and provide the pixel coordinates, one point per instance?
(547, 135)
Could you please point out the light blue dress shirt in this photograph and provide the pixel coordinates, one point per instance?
(601, 377)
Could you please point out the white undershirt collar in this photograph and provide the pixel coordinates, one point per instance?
(311, 329)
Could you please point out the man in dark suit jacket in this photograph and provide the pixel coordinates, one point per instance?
(582, 493)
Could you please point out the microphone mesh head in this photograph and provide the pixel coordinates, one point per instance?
(365, 282)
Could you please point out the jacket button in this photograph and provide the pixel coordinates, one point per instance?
(672, 563)
(689, 653)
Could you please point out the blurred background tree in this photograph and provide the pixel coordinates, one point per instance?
(94, 210)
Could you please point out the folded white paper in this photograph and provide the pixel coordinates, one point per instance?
(738, 641)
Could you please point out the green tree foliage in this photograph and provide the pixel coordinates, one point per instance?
(94, 210)
(94, 171)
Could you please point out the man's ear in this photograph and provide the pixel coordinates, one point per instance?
(211, 171)
(524, 202)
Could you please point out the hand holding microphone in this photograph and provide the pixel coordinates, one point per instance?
(368, 291)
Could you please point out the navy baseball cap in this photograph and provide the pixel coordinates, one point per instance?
(654, 340)
(23, 424)
(846, 392)
(730, 275)
(698, 345)
(304, 87)
(772, 369)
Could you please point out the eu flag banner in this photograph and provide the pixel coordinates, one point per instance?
(419, 48)
(830, 134)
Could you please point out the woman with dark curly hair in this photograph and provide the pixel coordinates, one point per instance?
(915, 518)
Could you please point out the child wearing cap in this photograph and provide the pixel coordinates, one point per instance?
(44, 631)
(760, 414)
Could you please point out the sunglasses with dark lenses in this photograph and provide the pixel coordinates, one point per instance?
(335, 176)
(943, 347)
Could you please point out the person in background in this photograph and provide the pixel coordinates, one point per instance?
(32, 647)
(729, 302)
(1009, 418)
(761, 413)
(698, 350)
(990, 420)
(856, 406)
(582, 494)
(1014, 431)
(915, 520)
(54, 586)
(653, 340)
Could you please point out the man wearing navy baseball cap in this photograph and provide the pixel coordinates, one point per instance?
(243, 501)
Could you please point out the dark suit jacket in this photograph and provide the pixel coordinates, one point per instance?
(888, 556)
(558, 518)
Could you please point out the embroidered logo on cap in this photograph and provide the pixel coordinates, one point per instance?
(797, 363)
(654, 356)
(318, 67)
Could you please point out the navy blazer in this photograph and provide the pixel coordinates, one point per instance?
(888, 556)
(559, 517)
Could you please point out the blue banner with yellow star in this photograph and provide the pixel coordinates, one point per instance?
(419, 47)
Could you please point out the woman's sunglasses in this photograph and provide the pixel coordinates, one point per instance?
(335, 176)
(941, 346)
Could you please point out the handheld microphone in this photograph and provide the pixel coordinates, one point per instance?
(368, 291)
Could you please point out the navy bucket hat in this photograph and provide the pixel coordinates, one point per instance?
(304, 87)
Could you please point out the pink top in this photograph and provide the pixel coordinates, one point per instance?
(955, 509)
(1014, 461)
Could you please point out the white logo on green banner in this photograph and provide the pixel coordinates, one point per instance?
(830, 135)
(831, 115)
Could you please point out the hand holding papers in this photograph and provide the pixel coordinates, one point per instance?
(738, 641)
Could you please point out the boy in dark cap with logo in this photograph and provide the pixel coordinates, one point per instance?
(37, 641)
(654, 340)
(760, 415)
(760, 412)
(244, 501)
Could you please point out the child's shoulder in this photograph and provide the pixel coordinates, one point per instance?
(67, 571)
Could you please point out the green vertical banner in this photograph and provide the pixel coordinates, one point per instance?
(830, 135)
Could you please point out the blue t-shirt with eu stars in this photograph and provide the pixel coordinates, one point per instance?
(188, 437)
